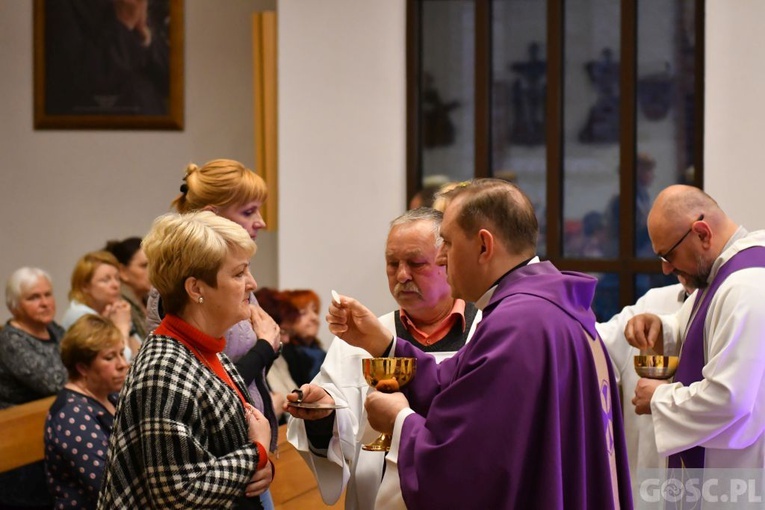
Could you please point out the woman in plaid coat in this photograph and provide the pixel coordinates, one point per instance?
(186, 434)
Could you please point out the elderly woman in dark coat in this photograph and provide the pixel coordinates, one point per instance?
(30, 369)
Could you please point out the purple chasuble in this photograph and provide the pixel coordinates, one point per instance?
(692, 359)
(519, 417)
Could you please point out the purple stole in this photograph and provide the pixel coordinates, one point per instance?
(692, 356)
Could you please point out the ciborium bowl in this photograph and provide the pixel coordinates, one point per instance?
(377, 370)
(656, 366)
(387, 375)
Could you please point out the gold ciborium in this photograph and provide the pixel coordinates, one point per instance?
(656, 366)
(386, 375)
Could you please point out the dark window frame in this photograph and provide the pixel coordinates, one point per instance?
(626, 265)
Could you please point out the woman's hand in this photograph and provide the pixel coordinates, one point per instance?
(258, 428)
(119, 313)
(264, 326)
(260, 481)
(258, 431)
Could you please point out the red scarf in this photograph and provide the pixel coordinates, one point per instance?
(204, 347)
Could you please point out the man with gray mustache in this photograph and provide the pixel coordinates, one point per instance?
(430, 319)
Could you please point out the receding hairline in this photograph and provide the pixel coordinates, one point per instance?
(418, 225)
(684, 202)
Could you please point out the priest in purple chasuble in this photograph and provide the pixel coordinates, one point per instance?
(527, 414)
(712, 415)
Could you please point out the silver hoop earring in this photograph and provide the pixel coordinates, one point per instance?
(201, 300)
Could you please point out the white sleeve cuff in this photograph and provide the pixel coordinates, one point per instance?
(396, 436)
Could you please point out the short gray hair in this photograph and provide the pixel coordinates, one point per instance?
(434, 216)
(22, 279)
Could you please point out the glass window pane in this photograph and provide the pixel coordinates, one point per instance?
(519, 88)
(665, 104)
(646, 281)
(447, 105)
(591, 128)
(605, 304)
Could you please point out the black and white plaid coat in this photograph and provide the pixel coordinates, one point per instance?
(180, 435)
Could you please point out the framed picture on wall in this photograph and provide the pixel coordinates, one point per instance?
(108, 64)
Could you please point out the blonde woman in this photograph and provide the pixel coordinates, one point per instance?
(95, 289)
(80, 420)
(231, 190)
(187, 434)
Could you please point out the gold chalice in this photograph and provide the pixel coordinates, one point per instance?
(386, 375)
(656, 366)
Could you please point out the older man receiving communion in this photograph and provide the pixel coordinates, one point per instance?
(430, 318)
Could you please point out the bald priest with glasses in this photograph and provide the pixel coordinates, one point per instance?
(712, 415)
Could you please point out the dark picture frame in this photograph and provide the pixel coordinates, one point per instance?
(99, 67)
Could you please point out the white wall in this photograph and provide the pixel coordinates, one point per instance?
(63, 193)
(734, 159)
(341, 144)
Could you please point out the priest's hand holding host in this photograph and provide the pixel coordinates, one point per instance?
(357, 326)
(644, 332)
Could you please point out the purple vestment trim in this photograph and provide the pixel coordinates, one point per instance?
(692, 360)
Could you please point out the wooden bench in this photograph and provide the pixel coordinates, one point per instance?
(21, 433)
(21, 443)
(295, 487)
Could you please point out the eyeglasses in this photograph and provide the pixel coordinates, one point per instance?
(665, 256)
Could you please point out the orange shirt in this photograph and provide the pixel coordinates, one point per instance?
(441, 329)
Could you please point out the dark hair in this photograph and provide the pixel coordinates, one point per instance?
(124, 250)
